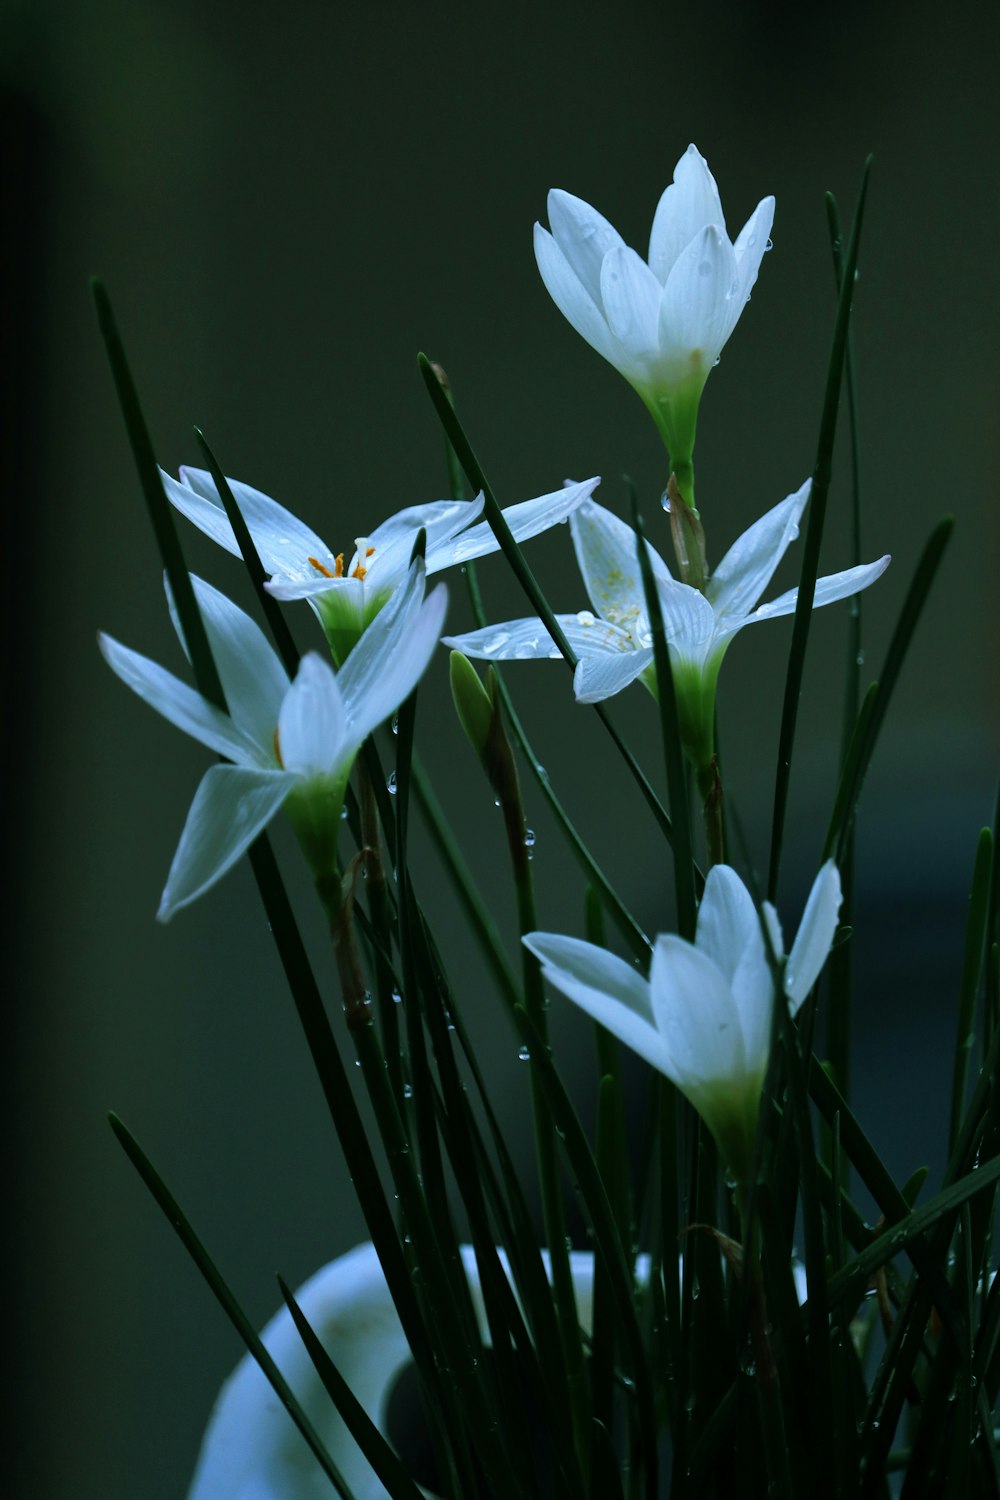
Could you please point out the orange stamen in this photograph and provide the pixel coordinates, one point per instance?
(359, 572)
(320, 568)
(338, 564)
(369, 551)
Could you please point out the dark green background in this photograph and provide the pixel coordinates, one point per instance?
(286, 202)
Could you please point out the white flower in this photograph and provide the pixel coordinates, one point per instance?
(347, 596)
(289, 743)
(703, 1018)
(663, 322)
(614, 645)
(252, 1449)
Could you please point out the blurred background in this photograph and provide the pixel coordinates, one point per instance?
(286, 203)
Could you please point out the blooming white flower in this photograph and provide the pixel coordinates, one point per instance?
(253, 1449)
(288, 743)
(663, 322)
(348, 596)
(614, 645)
(703, 1017)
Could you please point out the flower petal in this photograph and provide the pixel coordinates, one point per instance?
(600, 677)
(749, 565)
(606, 987)
(573, 300)
(313, 723)
(178, 703)
(686, 206)
(253, 679)
(607, 555)
(828, 590)
(230, 807)
(284, 543)
(696, 1016)
(584, 236)
(528, 640)
(525, 520)
(751, 244)
(815, 935)
(697, 304)
(727, 922)
(630, 295)
(392, 655)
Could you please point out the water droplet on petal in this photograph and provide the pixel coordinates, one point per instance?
(769, 246)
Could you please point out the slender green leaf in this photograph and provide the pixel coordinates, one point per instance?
(972, 968)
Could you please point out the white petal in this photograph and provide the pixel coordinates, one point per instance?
(283, 542)
(688, 622)
(828, 590)
(773, 923)
(253, 679)
(815, 935)
(607, 556)
(697, 304)
(696, 1015)
(441, 519)
(394, 652)
(752, 243)
(230, 807)
(727, 921)
(178, 703)
(313, 722)
(606, 987)
(748, 567)
(753, 993)
(528, 640)
(584, 236)
(600, 677)
(572, 299)
(630, 295)
(525, 520)
(686, 206)
(252, 1450)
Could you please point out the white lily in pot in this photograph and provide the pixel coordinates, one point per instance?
(613, 640)
(288, 744)
(347, 596)
(662, 322)
(703, 1017)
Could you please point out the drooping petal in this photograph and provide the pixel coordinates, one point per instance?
(828, 590)
(573, 300)
(231, 806)
(313, 722)
(397, 646)
(748, 567)
(751, 244)
(284, 543)
(815, 935)
(607, 556)
(727, 921)
(606, 987)
(630, 295)
(697, 303)
(441, 519)
(685, 207)
(178, 703)
(528, 640)
(526, 519)
(253, 679)
(584, 236)
(696, 1015)
(598, 677)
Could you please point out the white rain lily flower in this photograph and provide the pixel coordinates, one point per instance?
(253, 1451)
(703, 1017)
(289, 744)
(613, 640)
(661, 322)
(348, 596)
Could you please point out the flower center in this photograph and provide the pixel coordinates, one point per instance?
(359, 570)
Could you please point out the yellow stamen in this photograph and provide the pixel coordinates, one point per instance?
(369, 551)
(320, 568)
(359, 572)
